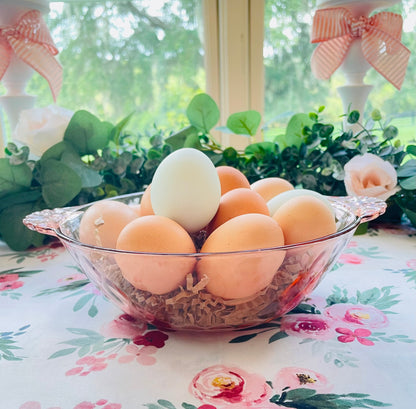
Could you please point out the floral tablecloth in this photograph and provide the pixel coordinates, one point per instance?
(352, 344)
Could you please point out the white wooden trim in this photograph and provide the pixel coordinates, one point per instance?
(211, 48)
(234, 59)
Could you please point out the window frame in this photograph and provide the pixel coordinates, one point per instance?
(233, 40)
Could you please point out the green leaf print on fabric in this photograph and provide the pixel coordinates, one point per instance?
(380, 298)
(10, 281)
(77, 285)
(8, 344)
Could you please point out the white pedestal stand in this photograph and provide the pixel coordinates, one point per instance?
(354, 93)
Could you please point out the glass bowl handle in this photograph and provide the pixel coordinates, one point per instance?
(46, 221)
(366, 208)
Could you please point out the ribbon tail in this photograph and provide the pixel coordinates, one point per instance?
(5, 56)
(328, 56)
(40, 59)
(388, 56)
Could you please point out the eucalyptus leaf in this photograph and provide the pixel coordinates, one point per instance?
(407, 169)
(116, 131)
(411, 149)
(18, 155)
(25, 196)
(177, 140)
(87, 133)
(293, 135)
(89, 177)
(390, 132)
(244, 123)
(376, 115)
(19, 237)
(260, 148)
(135, 165)
(56, 151)
(353, 117)
(14, 178)
(203, 112)
(230, 154)
(156, 140)
(281, 141)
(60, 184)
(409, 183)
(193, 141)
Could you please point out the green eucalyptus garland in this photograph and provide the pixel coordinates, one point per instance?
(97, 160)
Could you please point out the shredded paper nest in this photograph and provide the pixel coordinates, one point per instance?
(192, 307)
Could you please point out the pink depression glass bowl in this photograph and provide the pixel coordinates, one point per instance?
(190, 307)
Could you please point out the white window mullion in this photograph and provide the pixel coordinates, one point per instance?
(234, 58)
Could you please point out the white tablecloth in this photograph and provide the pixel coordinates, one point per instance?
(351, 345)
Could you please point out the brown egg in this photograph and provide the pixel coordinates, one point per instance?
(137, 209)
(237, 202)
(241, 275)
(102, 222)
(304, 218)
(231, 178)
(155, 273)
(146, 204)
(271, 187)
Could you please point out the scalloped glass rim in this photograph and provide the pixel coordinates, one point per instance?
(76, 212)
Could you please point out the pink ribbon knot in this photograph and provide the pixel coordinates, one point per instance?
(335, 29)
(29, 40)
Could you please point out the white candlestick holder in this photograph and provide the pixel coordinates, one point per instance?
(354, 93)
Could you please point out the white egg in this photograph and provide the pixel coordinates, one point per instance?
(277, 201)
(186, 188)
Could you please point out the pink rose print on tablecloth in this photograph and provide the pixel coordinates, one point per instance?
(151, 338)
(125, 326)
(348, 258)
(411, 263)
(10, 282)
(231, 387)
(360, 334)
(353, 316)
(142, 355)
(90, 363)
(352, 244)
(294, 377)
(314, 326)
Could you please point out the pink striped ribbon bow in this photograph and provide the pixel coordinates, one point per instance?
(335, 29)
(30, 40)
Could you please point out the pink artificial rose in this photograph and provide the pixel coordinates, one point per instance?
(40, 128)
(369, 175)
